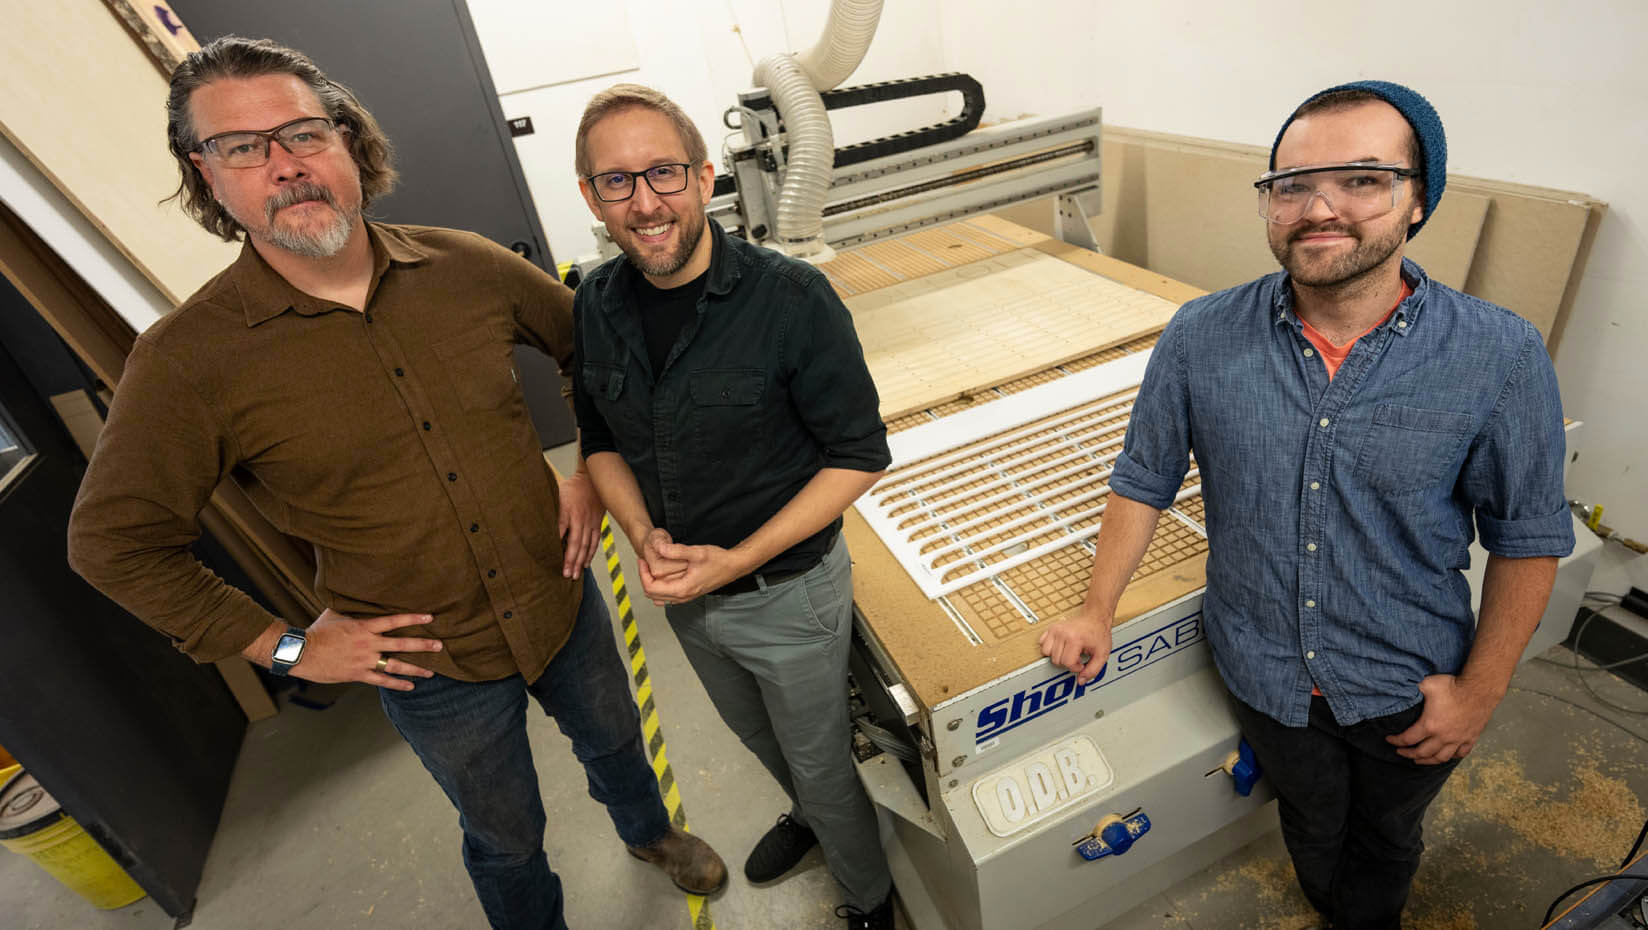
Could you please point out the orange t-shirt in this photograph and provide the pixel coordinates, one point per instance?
(1333, 356)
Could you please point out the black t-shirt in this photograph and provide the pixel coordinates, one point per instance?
(664, 313)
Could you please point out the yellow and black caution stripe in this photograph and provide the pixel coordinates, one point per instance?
(651, 730)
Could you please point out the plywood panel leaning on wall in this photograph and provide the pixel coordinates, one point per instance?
(82, 100)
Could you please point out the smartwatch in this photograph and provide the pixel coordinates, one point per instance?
(288, 650)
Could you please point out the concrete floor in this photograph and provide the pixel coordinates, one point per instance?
(332, 824)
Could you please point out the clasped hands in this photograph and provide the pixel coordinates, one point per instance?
(672, 573)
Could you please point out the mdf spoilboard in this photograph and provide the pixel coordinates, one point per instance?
(982, 631)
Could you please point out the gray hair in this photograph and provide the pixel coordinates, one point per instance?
(239, 57)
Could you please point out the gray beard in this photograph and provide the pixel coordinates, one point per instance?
(326, 243)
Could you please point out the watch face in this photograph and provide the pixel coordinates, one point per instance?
(288, 649)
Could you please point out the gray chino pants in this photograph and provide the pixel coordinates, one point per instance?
(774, 662)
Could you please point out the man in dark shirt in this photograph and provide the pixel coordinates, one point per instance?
(362, 374)
(729, 420)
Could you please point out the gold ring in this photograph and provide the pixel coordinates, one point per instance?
(383, 663)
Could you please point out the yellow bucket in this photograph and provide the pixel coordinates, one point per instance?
(33, 824)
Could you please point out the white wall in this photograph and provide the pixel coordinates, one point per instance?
(1530, 92)
(702, 55)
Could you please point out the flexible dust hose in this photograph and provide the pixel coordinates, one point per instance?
(811, 161)
(795, 84)
(847, 35)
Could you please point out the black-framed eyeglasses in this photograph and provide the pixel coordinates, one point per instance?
(618, 186)
(1354, 191)
(249, 148)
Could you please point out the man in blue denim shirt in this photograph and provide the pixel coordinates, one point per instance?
(1351, 419)
(729, 419)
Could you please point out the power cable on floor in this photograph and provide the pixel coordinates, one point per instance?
(1592, 711)
(1579, 670)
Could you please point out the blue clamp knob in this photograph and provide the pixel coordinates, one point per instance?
(1114, 837)
(1246, 771)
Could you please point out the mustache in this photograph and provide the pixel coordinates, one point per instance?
(298, 193)
(1341, 228)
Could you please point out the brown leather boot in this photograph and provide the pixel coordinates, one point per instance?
(689, 861)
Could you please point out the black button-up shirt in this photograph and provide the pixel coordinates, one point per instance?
(764, 387)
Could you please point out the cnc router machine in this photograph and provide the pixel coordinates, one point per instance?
(1006, 360)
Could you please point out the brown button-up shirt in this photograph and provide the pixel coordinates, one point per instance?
(396, 441)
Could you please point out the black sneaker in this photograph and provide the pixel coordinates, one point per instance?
(879, 919)
(779, 850)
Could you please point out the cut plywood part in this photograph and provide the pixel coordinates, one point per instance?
(964, 329)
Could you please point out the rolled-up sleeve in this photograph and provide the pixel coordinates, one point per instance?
(1156, 452)
(157, 461)
(830, 382)
(1513, 473)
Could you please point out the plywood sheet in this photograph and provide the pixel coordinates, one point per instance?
(957, 330)
(100, 137)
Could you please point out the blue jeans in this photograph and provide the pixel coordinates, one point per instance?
(472, 737)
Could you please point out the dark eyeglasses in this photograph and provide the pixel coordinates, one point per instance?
(618, 186)
(249, 148)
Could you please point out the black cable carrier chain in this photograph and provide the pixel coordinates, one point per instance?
(972, 110)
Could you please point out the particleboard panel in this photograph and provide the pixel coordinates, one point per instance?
(960, 330)
(1210, 195)
(64, 126)
(1183, 206)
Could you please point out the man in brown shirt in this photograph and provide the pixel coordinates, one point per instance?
(362, 374)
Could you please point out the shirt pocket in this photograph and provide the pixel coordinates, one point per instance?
(481, 368)
(726, 411)
(1412, 449)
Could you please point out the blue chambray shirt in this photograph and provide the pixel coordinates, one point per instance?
(1339, 513)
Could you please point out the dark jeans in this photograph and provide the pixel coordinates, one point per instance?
(472, 737)
(1351, 809)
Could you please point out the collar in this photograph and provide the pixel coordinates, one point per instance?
(1402, 320)
(264, 294)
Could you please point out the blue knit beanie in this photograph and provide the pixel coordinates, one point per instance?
(1427, 127)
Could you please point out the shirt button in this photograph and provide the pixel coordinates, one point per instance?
(1322, 422)
(1316, 485)
(400, 372)
(492, 573)
(1310, 547)
(369, 318)
(508, 614)
(426, 426)
(452, 476)
(673, 496)
(1401, 324)
(1310, 603)
(476, 528)
(1309, 353)
(1310, 655)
